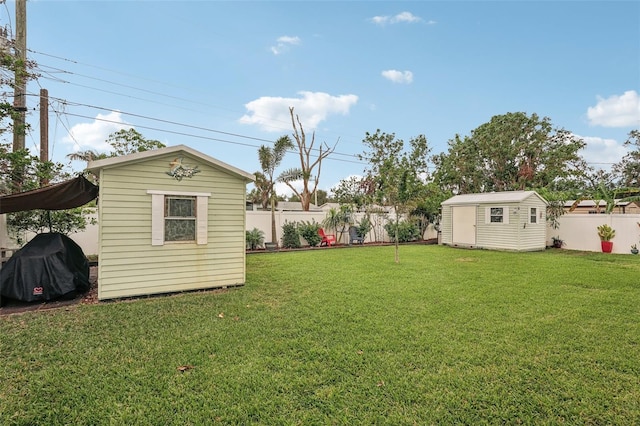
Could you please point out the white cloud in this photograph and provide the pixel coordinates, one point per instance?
(272, 113)
(284, 44)
(616, 111)
(602, 153)
(402, 17)
(93, 136)
(398, 76)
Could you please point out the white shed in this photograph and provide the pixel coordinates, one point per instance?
(510, 220)
(170, 219)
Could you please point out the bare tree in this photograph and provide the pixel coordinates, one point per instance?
(307, 163)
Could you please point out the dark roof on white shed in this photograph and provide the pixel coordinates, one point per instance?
(492, 197)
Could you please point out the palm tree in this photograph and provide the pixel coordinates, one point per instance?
(270, 158)
(263, 190)
(88, 155)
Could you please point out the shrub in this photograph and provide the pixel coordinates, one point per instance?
(255, 238)
(290, 235)
(309, 231)
(364, 227)
(407, 231)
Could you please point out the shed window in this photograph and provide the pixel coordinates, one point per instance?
(178, 217)
(497, 214)
(533, 215)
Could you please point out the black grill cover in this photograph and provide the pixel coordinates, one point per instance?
(50, 266)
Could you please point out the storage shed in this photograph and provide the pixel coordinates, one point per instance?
(510, 220)
(171, 219)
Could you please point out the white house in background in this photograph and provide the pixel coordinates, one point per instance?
(170, 219)
(510, 220)
(600, 207)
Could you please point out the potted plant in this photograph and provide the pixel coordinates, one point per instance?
(557, 242)
(634, 249)
(606, 234)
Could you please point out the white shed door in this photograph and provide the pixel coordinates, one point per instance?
(463, 224)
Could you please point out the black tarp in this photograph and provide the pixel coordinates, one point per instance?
(60, 196)
(50, 266)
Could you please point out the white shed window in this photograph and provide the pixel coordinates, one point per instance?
(496, 215)
(533, 215)
(178, 217)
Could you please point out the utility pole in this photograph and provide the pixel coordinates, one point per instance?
(19, 99)
(44, 130)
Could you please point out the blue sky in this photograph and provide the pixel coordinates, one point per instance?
(220, 76)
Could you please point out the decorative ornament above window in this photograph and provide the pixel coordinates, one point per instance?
(179, 170)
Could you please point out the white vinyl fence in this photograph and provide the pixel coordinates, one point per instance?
(88, 239)
(579, 231)
(262, 221)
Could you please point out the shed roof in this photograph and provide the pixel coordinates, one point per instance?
(493, 197)
(108, 163)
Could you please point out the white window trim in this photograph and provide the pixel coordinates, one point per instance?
(157, 214)
(505, 215)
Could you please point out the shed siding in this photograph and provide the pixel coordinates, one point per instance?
(446, 230)
(129, 265)
(503, 236)
(533, 236)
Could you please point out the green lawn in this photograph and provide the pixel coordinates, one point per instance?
(346, 336)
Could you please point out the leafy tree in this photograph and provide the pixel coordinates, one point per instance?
(513, 151)
(130, 141)
(601, 186)
(427, 208)
(403, 231)
(123, 142)
(293, 198)
(628, 169)
(321, 197)
(352, 191)
(307, 163)
(270, 159)
(398, 176)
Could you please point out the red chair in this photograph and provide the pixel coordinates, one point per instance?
(327, 239)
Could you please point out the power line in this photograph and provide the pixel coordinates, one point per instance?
(285, 124)
(194, 135)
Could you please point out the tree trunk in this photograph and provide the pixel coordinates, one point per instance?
(274, 237)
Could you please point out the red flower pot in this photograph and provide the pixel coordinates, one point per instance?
(606, 246)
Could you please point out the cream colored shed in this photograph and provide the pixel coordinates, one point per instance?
(510, 220)
(171, 219)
